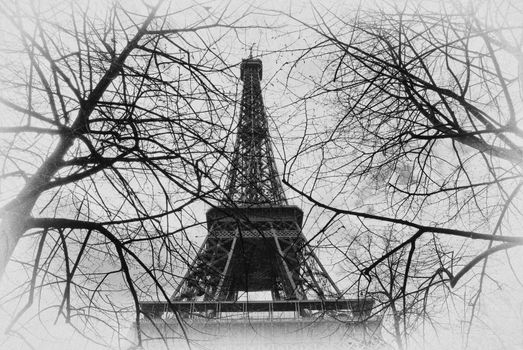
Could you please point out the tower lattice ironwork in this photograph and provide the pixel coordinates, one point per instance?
(255, 240)
(253, 179)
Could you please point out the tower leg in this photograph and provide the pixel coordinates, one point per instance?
(226, 278)
(294, 291)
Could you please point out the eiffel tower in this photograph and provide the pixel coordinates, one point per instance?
(255, 242)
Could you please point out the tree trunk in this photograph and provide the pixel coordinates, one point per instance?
(15, 214)
(12, 227)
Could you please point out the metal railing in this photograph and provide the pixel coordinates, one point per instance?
(343, 309)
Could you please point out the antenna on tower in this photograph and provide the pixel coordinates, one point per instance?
(252, 46)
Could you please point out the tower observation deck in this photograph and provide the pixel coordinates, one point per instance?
(255, 243)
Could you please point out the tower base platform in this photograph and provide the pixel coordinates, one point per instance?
(204, 326)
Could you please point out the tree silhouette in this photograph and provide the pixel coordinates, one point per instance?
(116, 119)
(420, 128)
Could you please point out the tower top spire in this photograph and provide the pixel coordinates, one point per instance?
(251, 65)
(253, 178)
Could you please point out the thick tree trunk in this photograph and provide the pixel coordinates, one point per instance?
(15, 214)
(11, 230)
(12, 227)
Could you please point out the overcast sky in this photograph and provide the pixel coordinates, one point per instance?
(502, 309)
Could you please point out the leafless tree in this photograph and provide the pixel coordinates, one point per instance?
(405, 299)
(114, 121)
(422, 126)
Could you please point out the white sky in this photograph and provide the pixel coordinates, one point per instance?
(502, 307)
